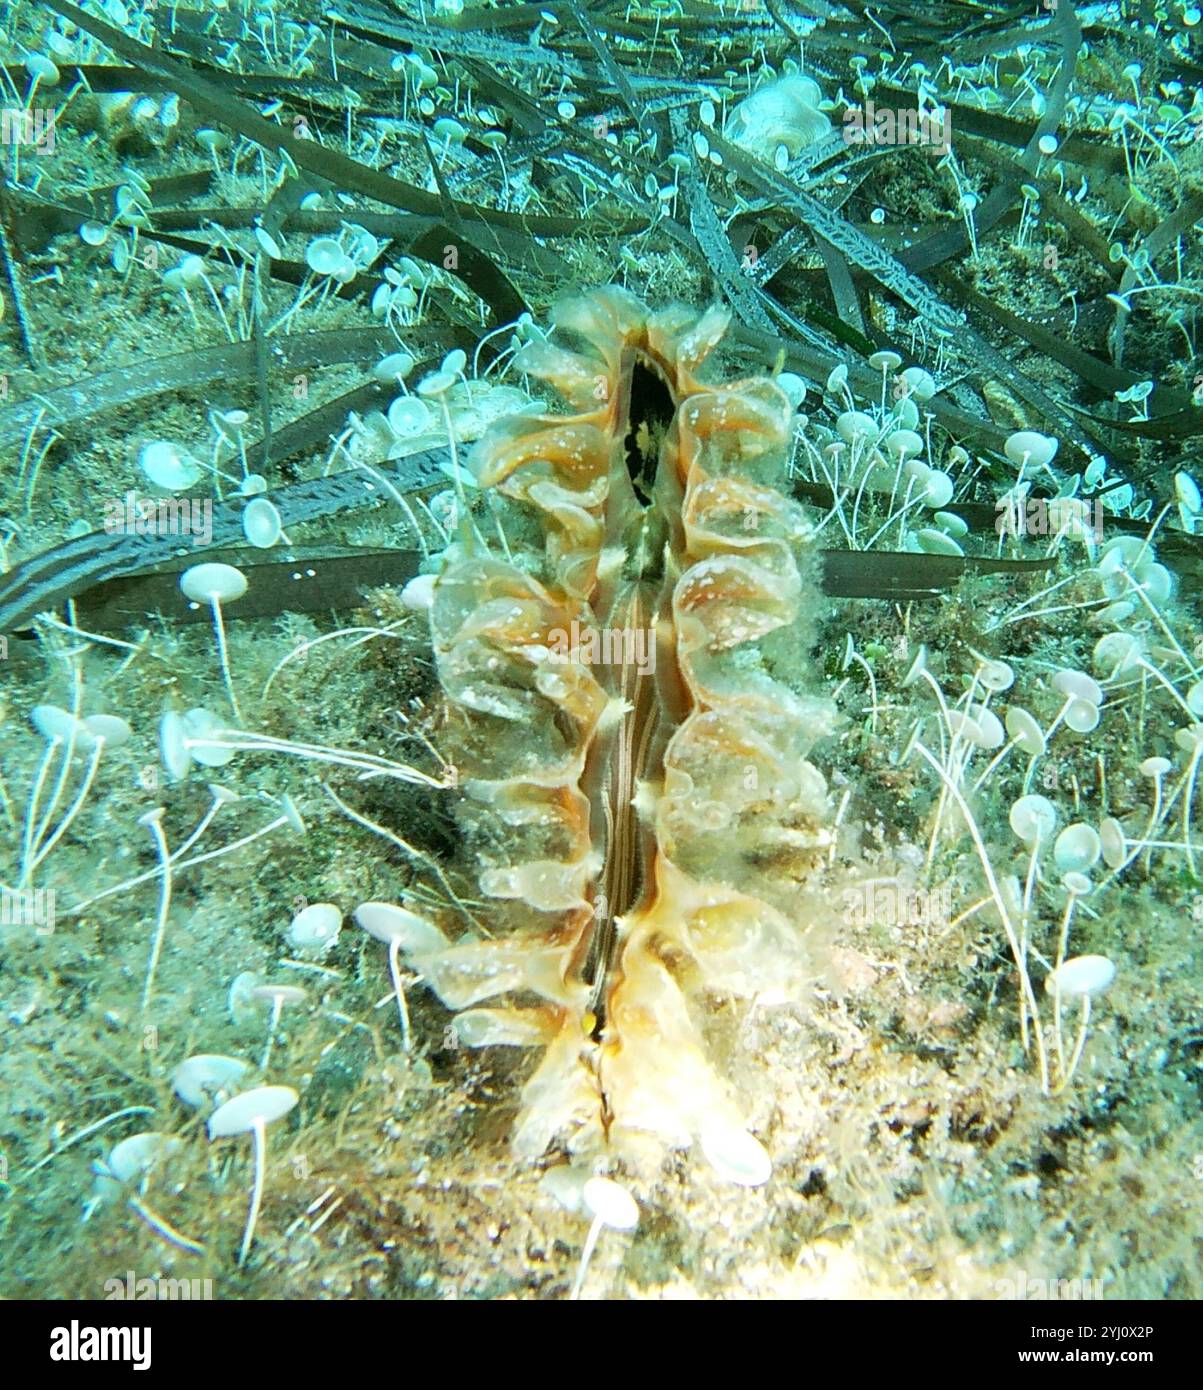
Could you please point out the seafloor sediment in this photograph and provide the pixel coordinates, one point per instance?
(278, 249)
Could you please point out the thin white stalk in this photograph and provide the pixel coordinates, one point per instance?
(177, 864)
(259, 1131)
(1000, 904)
(367, 764)
(394, 967)
(154, 823)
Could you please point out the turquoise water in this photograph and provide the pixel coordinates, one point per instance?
(788, 759)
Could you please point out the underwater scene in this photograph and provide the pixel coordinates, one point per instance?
(601, 650)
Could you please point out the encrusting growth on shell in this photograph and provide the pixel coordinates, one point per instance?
(635, 766)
